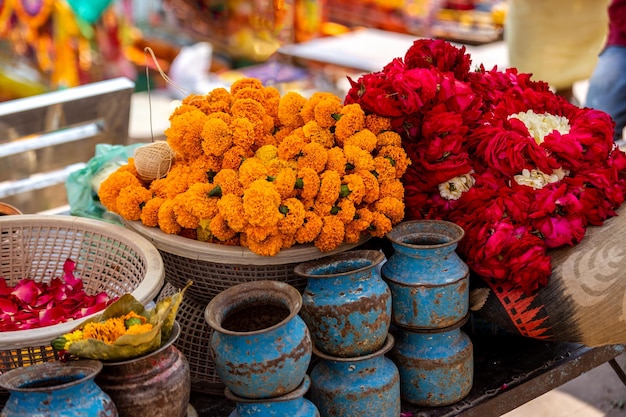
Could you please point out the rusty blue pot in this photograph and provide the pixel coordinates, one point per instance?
(429, 282)
(364, 386)
(292, 404)
(261, 347)
(56, 389)
(346, 304)
(436, 367)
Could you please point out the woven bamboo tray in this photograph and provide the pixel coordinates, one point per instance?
(108, 258)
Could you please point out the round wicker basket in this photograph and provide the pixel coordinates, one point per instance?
(214, 268)
(108, 258)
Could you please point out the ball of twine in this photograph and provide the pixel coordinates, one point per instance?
(154, 160)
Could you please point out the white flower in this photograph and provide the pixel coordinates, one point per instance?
(537, 179)
(455, 187)
(540, 125)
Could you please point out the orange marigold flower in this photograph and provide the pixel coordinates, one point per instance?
(184, 134)
(234, 157)
(392, 188)
(383, 168)
(268, 247)
(356, 186)
(272, 100)
(176, 182)
(358, 158)
(308, 182)
(281, 133)
(371, 184)
(289, 109)
(248, 92)
(265, 140)
(110, 188)
(362, 220)
(322, 208)
(226, 117)
(314, 156)
(251, 169)
(346, 210)
(331, 235)
(330, 185)
(246, 82)
(326, 111)
(316, 133)
(218, 100)
(199, 201)
(288, 240)
(183, 108)
(220, 229)
(311, 227)
(377, 124)
(228, 181)
(259, 233)
(130, 167)
(182, 211)
(266, 153)
(293, 216)
(380, 226)
(149, 212)
(308, 110)
(388, 138)
(204, 168)
(364, 139)
(336, 160)
(167, 218)
(243, 132)
(285, 182)
(217, 137)
(247, 108)
(398, 158)
(351, 234)
(351, 120)
(292, 145)
(274, 166)
(230, 207)
(260, 203)
(390, 207)
(131, 200)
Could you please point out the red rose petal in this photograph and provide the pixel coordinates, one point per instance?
(26, 291)
(7, 307)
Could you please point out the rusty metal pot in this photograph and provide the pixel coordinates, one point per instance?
(157, 384)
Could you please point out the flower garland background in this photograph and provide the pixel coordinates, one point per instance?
(518, 167)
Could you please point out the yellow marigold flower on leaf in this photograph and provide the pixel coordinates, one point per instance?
(332, 234)
(242, 132)
(289, 109)
(377, 124)
(316, 133)
(292, 145)
(388, 138)
(110, 188)
(268, 247)
(363, 139)
(184, 134)
(308, 182)
(149, 212)
(351, 120)
(358, 158)
(220, 229)
(380, 226)
(245, 83)
(397, 157)
(285, 182)
(235, 156)
(371, 184)
(346, 210)
(203, 231)
(314, 156)
(390, 207)
(266, 153)
(131, 200)
(231, 209)
(216, 136)
(251, 169)
(336, 160)
(392, 188)
(326, 110)
(167, 218)
(311, 227)
(356, 186)
(260, 203)
(293, 212)
(330, 185)
(383, 169)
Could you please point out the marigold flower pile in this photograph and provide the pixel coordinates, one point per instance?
(266, 171)
(519, 168)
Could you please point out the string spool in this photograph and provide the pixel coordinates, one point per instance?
(154, 160)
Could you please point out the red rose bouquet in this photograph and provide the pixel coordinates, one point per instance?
(519, 168)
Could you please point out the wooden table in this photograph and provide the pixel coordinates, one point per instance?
(509, 371)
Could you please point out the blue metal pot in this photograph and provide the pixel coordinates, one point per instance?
(261, 347)
(429, 282)
(364, 386)
(56, 389)
(436, 367)
(346, 304)
(292, 404)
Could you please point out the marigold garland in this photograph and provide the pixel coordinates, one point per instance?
(263, 171)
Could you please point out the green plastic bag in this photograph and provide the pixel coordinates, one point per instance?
(82, 185)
